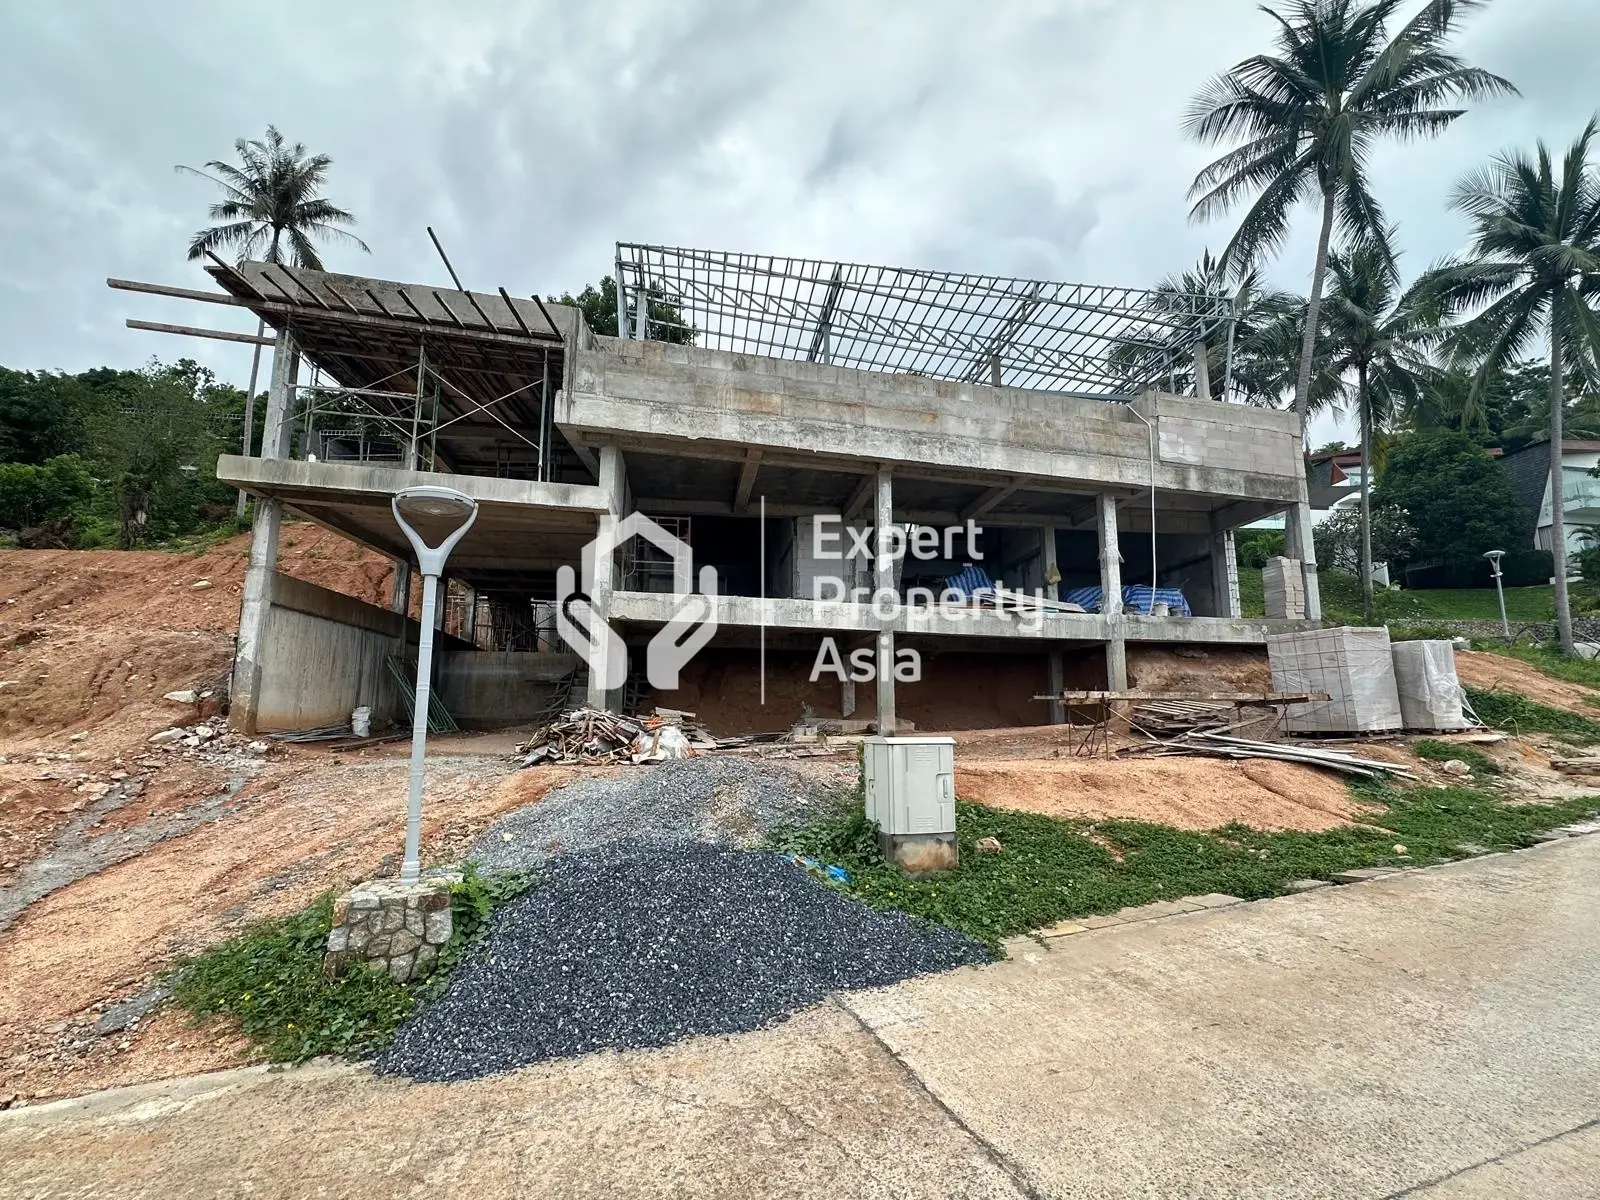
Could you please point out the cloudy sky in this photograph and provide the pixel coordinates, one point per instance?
(1027, 137)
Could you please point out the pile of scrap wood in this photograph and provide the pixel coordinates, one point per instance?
(591, 736)
(1217, 745)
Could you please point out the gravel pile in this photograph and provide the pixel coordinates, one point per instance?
(641, 944)
(725, 801)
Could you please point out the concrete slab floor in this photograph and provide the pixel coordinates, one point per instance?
(1432, 1029)
(811, 1107)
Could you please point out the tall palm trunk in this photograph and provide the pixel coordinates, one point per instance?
(1558, 516)
(1365, 410)
(1308, 337)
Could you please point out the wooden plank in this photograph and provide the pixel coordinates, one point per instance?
(219, 335)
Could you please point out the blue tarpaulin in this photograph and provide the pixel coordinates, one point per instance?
(1136, 598)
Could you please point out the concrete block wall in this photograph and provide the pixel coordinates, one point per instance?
(665, 391)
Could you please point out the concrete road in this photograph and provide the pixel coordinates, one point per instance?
(1432, 1035)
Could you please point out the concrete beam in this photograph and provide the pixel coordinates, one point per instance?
(747, 482)
(296, 480)
(991, 498)
(859, 497)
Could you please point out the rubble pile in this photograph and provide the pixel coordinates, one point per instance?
(592, 736)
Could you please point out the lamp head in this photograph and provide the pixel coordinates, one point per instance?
(439, 510)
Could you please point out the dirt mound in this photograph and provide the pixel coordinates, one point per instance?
(1481, 670)
(1190, 793)
(1192, 669)
(290, 836)
(94, 638)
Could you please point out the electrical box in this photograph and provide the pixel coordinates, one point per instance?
(911, 784)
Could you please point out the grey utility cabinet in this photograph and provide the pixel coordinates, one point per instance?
(911, 784)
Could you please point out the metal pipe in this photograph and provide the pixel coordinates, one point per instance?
(1150, 430)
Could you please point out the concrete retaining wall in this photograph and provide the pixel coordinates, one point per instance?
(481, 687)
(322, 655)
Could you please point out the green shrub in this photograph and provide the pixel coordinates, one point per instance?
(269, 980)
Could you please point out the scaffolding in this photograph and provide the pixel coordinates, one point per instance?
(1108, 343)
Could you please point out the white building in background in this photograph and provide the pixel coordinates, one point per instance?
(1529, 472)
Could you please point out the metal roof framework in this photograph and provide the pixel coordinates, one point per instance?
(1110, 343)
(467, 369)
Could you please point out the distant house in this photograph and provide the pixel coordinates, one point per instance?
(1529, 472)
(1333, 475)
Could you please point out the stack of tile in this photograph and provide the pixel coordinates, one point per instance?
(1285, 587)
(1354, 666)
(1431, 696)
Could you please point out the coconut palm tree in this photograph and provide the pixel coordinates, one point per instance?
(1307, 117)
(1531, 273)
(272, 207)
(1373, 354)
(1256, 375)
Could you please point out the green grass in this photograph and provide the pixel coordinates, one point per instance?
(1341, 601)
(269, 979)
(1052, 870)
(1515, 713)
(1435, 750)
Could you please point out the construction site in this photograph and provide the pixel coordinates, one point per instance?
(1065, 446)
(192, 744)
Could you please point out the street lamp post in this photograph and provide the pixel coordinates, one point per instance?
(1494, 557)
(437, 507)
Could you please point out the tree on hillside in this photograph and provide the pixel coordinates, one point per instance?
(1453, 495)
(1375, 353)
(1307, 117)
(272, 206)
(599, 307)
(1531, 273)
(1258, 375)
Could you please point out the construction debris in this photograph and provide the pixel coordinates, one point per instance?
(1219, 746)
(591, 735)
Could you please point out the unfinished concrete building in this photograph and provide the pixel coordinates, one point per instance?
(1081, 439)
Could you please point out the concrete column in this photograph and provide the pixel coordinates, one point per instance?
(444, 602)
(249, 649)
(1224, 574)
(470, 628)
(1111, 592)
(1110, 555)
(400, 589)
(1300, 542)
(847, 697)
(884, 563)
(1052, 569)
(278, 427)
(1058, 677)
(611, 484)
(256, 605)
(886, 723)
(1202, 371)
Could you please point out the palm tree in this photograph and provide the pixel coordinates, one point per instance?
(1308, 116)
(271, 198)
(1374, 357)
(1256, 373)
(1532, 271)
